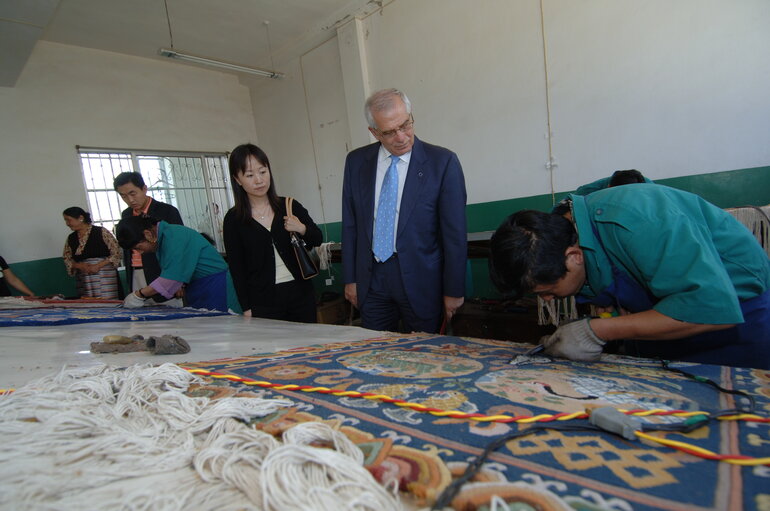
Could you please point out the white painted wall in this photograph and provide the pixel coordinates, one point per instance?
(671, 88)
(474, 73)
(303, 128)
(68, 96)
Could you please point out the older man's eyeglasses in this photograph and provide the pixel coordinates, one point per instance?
(404, 128)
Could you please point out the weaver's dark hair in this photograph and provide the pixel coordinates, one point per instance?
(626, 177)
(528, 249)
(130, 231)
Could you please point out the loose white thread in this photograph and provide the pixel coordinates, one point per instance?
(106, 438)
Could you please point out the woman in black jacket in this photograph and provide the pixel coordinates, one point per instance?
(258, 244)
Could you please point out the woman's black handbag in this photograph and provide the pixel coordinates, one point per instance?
(306, 264)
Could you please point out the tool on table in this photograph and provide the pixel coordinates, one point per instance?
(529, 355)
(526, 356)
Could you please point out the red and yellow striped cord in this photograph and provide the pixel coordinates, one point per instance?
(681, 446)
(460, 415)
(522, 419)
(705, 453)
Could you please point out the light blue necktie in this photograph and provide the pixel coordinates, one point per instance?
(385, 223)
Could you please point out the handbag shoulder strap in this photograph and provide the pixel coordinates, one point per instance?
(289, 202)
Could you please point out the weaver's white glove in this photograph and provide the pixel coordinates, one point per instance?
(133, 302)
(575, 341)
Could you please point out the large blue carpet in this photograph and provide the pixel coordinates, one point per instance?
(66, 316)
(552, 469)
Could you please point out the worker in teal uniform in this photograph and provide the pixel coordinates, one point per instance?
(681, 277)
(190, 266)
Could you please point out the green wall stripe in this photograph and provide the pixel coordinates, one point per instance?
(487, 216)
(730, 189)
(45, 276)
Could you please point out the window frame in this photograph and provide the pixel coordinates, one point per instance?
(215, 179)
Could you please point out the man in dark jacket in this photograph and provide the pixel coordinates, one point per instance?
(142, 269)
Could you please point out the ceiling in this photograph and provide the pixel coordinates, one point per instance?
(257, 33)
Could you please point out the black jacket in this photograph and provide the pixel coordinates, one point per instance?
(161, 211)
(4, 290)
(250, 255)
(95, 245)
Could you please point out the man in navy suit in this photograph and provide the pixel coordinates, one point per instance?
(423, 279)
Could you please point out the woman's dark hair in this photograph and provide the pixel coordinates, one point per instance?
(130, 231)
(237, 162)
(76, 212)
(528, 249)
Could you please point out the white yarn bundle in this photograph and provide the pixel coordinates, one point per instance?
(324, 253)
(757, 221)
(109, 438)
(299, 476)
(559, 310)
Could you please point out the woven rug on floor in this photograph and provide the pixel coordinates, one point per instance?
(68, 316)
(551, 469)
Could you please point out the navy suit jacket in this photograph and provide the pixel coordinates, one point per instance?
(431, 237)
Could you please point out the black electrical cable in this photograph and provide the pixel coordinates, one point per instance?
(701, 379)
(682, 427)
(453, 489)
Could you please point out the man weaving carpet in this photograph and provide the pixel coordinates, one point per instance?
(186, 259)
(682, 277)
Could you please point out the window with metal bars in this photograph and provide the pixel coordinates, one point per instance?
(198, 184)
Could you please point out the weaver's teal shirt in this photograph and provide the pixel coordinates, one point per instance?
(186, 256)
(694, 257)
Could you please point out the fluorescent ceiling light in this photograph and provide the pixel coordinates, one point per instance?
(173, 54)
